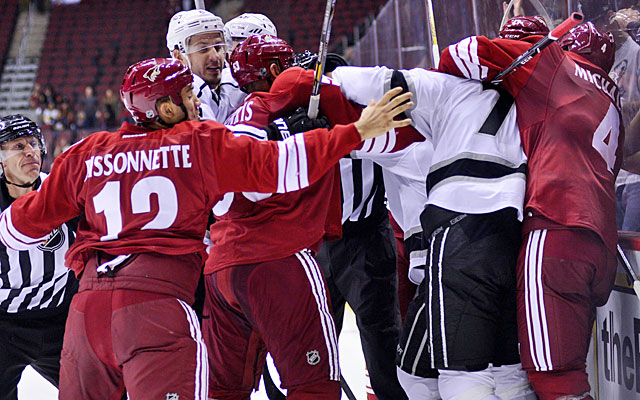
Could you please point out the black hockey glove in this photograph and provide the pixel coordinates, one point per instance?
(297, 122)
(306, 60)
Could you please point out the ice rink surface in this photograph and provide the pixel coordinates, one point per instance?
(33, 387)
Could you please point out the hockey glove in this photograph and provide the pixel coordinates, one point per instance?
(297, 122)
(306, 60)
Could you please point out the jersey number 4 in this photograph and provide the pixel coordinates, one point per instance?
(605, 138)
(108, 202)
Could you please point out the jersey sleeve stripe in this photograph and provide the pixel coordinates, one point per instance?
(454, 50)
(303, 177)
(10, 236)
(465, 56)
(292, 164)
(473, 55)
(248, 130)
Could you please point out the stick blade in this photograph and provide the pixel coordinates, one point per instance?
(636, 288)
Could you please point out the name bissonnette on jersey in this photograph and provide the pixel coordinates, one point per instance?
(176, 156)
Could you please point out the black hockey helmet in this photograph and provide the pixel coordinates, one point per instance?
(16, 126)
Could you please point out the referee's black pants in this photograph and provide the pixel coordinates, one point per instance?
(29, 341)
(361, 270)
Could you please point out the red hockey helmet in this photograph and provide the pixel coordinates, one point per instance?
(517, 28)
(147, 81)
(596, 46)
(250, 59)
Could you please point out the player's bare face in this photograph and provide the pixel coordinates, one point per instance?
(206, 53)
(191, 103)
(21, 159)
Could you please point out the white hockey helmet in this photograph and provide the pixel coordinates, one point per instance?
(185, 24)
(245, 25)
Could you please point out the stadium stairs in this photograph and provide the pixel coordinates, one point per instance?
(21, 65)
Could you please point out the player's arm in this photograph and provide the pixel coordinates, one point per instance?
(298, 83)
(30, 219)
(480, 58)
(300, 160)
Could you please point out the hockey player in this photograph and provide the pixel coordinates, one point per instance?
(571, 130)
(476, 180)
(249, 237)
(255, 221)
(360, 268)
(196, 37)
(241, 27)
(145, 192)
(35, 286)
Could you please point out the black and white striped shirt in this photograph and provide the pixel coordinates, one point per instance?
(36, 282)
(362, 190)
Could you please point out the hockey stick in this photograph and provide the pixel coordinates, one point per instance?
(629, 270)
(273, 393)
(346, 389)
(200, 4)
(435, 50)
(314, 101)
(557, 33)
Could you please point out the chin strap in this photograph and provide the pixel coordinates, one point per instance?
(26, 185)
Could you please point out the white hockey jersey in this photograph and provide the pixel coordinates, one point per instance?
(477, 149)
(217, 105)
(404, 170)
(477, 164)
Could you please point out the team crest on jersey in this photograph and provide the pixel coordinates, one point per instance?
(152, 73)
(313, 357)
(54, 241)
(172, 396)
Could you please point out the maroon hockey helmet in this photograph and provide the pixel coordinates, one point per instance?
(517, 28)
(147, 81)
(597, 46)
(250, 59)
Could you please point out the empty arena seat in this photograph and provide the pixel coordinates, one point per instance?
(299, 22)
(88, 42)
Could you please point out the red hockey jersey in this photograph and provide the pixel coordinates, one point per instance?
(255, 227)
(570, 125)
(151, 191)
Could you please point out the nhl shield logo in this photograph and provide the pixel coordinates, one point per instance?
(54, 241)
(172, 396)
(313, 357)
(152, 73)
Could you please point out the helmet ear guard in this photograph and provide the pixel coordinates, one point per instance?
(148, 81)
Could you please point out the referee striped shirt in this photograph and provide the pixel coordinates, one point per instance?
(362, 190)
(36, 282)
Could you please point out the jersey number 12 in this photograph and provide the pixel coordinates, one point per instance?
(108, 202)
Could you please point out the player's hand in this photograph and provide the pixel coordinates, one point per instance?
(377, 118)
(297, 122)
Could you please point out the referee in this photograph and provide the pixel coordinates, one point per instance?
(35, 286)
